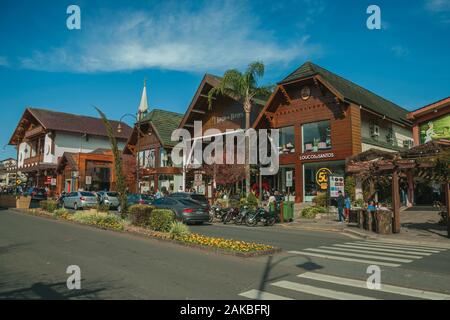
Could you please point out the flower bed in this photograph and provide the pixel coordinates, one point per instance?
(221, 243)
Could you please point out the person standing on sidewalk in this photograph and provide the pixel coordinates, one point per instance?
(340, 206)
(348, 205)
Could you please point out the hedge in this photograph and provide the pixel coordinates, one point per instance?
(140, 214)
(311, 212)
(48, 205)
(161, 220)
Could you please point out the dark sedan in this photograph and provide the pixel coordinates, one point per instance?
(186, 210)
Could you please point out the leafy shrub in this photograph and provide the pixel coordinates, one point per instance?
(48, 205)
(61, 213)
(349, 187)
(103, 221)
(140, 214)
(178, 229)
(320, 200)
(252, 201)
(311, 212)
(161, 220)
(359, 203)
(102, 207)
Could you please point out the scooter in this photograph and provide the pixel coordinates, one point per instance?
(260, 215)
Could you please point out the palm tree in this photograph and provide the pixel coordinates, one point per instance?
(244, 88)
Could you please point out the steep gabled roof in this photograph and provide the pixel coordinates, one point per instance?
(164, 123)
(351, 92)
(67, 122)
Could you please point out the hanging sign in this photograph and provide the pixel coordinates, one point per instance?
(88, 180)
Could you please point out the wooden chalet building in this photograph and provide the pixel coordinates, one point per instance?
(226, 113)
(43, 137)
(323, 119)
(156, 169)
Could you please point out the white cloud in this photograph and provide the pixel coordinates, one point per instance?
(440, 9)
(218, 36)
(438, 5)
(4, 61)
(400, 51)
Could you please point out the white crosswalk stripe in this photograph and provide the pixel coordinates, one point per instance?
(421, 294)
(371, 252)
(262, 295)
(292, 289)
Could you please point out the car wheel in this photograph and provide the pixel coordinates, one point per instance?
(75, 206)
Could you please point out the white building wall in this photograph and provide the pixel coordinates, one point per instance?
(400, 133)
(67, 142)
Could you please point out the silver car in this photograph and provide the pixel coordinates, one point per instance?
(109, 198)
(80, 200)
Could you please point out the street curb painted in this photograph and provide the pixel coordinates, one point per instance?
(253, 254)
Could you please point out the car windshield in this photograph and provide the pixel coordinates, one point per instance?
(112, 194)
(199, 197)
(187, 202)
(87, 194)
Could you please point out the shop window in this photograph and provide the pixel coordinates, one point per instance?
(312, 187)
(316, 136)
(287, 140)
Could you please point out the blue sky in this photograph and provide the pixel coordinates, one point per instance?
(173, 43)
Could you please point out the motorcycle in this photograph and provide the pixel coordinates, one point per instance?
(260, 215)
(242, 214)
(217, 212)
(230, 215)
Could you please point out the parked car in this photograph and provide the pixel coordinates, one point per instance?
(38, 194)
(79, 200)
(186, 210)
(192, 196)
(135, 198)
(109, 198)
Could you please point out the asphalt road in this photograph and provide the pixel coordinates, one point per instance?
(35, 253)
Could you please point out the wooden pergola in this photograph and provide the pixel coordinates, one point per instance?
(426, 162)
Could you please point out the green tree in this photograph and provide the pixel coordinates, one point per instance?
(121, 187)
(244, 88)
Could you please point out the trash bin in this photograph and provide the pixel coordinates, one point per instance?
(288, 211)
(353, 216)
(383, 222)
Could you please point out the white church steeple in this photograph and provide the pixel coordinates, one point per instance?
(143, 106)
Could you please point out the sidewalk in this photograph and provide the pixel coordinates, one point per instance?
(419, 227)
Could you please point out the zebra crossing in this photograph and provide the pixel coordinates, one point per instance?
(322, 280)
(388, 254)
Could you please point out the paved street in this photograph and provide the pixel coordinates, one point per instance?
(35, 252)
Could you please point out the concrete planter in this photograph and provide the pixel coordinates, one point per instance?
(8, 201)
(23, 202)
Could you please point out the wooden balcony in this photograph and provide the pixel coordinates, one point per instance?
(33, 161)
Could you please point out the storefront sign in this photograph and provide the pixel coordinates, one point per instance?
(322, 178)
(289, 179)
(435, 129)
(88, 180)
(198, 179)
(48, 180)
(336, 185)
(316, 156)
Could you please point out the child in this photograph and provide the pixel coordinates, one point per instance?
(348, 205)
